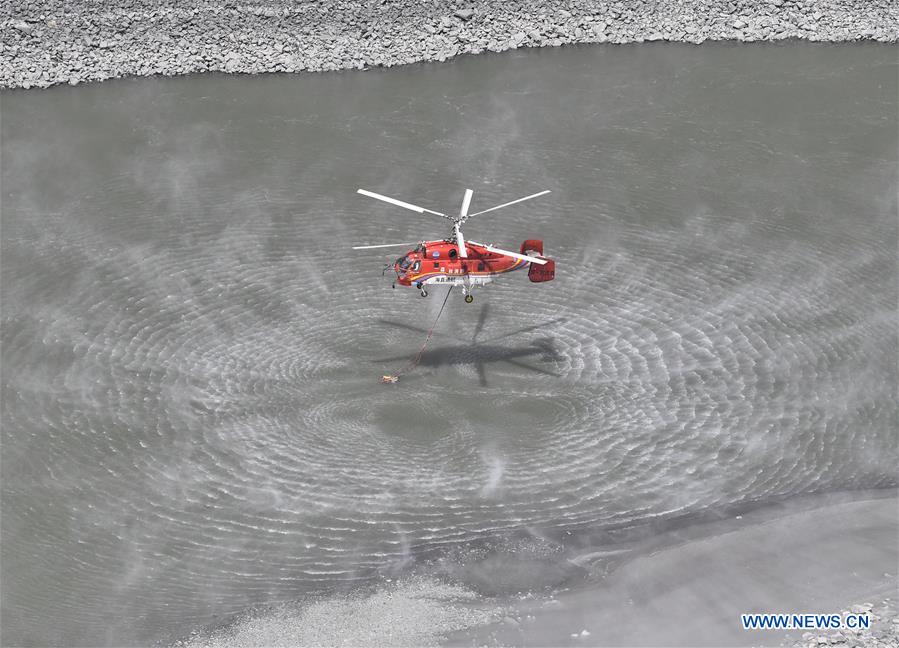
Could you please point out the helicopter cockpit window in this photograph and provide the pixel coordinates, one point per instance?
(405, 262)
(416, 266)
(453, 253)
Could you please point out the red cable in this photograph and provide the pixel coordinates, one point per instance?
(421, 351)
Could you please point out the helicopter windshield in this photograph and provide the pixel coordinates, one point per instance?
(404, 262)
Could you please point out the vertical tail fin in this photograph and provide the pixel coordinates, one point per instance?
(538, 273)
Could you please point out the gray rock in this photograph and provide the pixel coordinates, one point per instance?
(23, 27)
(464, 14)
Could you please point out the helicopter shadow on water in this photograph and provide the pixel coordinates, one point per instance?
(482, 353)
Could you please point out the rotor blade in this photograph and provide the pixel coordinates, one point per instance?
(460, 241)
(510, 203)
(398, 203)
(514, 255)
(463, 214)
(465, 203)
(372, 247)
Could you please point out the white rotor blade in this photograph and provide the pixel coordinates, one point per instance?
(460, 241)
(463, 213)
(371, 247)
(465, 203)
(514, 255)
(398, 203)
(542, 193)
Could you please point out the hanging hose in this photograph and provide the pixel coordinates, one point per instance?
(392, 378)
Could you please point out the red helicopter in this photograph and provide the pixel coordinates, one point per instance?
(454, 261)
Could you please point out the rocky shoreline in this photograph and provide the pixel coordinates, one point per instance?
(51, 42)
(883, 633)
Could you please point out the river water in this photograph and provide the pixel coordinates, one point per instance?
(192, 423)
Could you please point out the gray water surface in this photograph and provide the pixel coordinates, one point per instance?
(192, 419)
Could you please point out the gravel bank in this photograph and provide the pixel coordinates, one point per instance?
(818, 555)
(46, 43)
(883, 633)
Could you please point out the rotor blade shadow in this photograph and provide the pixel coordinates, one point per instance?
(526, 329)
(482, 374)
(455, 351)
(482, 319)
(523, 365)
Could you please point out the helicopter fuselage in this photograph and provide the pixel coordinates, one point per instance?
(439, 262)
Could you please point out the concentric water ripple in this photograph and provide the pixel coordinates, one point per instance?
(193, 422)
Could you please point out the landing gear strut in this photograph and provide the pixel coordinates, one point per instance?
(424, 293)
